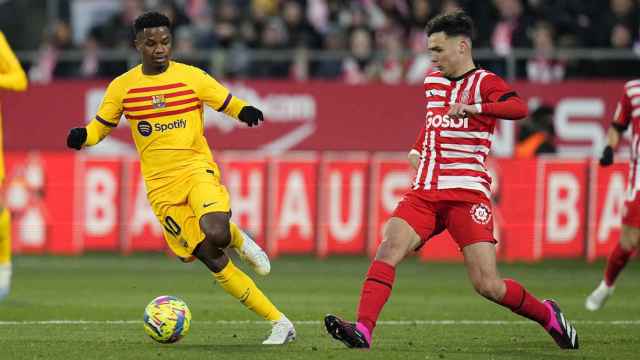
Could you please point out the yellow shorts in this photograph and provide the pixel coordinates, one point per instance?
(180, 205)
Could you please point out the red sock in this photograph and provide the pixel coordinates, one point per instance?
(375, 292)
(617, 261)
(518, 299)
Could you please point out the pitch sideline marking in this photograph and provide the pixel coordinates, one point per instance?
(317, 322)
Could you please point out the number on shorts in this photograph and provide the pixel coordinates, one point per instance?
(171, 226)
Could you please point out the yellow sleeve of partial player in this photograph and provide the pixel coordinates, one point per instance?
(217, 96)
(108, 115)
(12, 76)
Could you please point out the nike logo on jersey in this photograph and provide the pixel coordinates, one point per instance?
(206, 205)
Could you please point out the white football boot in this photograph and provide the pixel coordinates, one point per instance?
(5, 280)
(253, 255)
(598, 297)
(282, 332)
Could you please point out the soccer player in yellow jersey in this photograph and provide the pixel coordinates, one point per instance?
(12, 77)
(163, 101)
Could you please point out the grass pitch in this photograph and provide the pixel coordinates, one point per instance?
(91, 307)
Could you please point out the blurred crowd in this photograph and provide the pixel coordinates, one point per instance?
(358, 41)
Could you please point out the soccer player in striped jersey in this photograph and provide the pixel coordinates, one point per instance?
(12, 77)
(627, 113)
(163, 101)
(451, 188)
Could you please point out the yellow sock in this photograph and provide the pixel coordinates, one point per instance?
(5, 236)
(240, 286)
(236, 236)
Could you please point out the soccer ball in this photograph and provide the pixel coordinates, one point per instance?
(167, 319)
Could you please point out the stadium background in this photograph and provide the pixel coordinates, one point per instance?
(340, 85)
(331, 77)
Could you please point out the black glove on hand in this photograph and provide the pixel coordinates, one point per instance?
(250, 115)
(607, 156)
(76, 138)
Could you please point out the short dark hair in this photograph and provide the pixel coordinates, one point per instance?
(150, 20)
(452, 24)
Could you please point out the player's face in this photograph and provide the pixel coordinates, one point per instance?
(447, 52)
(154, 45)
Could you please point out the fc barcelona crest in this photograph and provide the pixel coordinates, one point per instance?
(157, 101)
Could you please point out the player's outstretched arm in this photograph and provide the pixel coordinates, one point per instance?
(90, 135)
(12, 76)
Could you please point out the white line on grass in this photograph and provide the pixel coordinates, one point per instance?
(316, 322)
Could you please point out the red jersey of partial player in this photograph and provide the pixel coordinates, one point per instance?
(628, 113)
(453, 150)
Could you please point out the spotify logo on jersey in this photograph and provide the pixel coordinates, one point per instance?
(144, 128)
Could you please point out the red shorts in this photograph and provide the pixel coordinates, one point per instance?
(631, 213)
(468, 222)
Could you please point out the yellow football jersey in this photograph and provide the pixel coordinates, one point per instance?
(12, 77)
(165, 112)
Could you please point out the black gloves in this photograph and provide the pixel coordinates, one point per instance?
(250, 115)
(76, 138)
(607, 156)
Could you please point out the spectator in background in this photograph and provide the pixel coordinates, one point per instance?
(536, 134)
(176, 14)
(116, 34)
(360, 66)
(273, 37)
(510, 31)
(620, 13)
(301, 33)
(90, 65)
(621, 38)
(450, 6)
(48, 64)
(420, 62)
(543, 67)
(331, 67)
(392, 71)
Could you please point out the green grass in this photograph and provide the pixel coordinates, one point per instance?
(100, 287)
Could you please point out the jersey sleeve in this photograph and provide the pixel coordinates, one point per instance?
(111, 108)
(218, 97)
(495, 89)
(498, 99)
(622, 116)
(12, 76)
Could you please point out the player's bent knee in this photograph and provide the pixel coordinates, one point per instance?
(219, 236)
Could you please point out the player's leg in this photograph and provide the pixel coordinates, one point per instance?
(399, 239)
(208, 195)
(5, 253)
(471, 226)
(5, 248)
(628, 244)
(248, 250)
(234, 281)
(480, 260)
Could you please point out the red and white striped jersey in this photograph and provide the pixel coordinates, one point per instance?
(453, 150)
(628, 113)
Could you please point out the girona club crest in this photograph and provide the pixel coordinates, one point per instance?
(481, 214)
